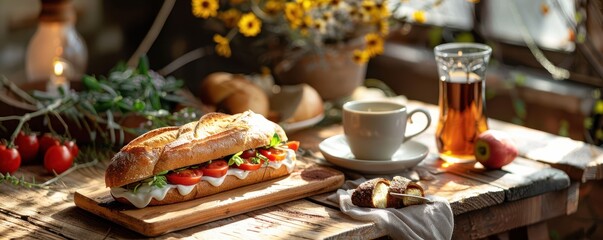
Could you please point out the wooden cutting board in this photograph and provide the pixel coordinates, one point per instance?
(157, 220)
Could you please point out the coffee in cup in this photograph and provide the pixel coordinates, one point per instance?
(375, 129)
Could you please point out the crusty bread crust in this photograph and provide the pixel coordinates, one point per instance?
(214, 136)
(204, 188)
(138, 158)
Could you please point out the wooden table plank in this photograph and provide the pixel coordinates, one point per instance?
(500, 218)
(463, 194)
(15, 228)
(517, 180)
(581, 161)
(294, 220)
(520, 179)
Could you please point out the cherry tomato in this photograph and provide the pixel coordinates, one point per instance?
(72, 148)
(249, 166)
(249, 153)
(47, 141)
(273, 154)
(185, 177)
(58, 159)
(10, 160)
(293, 145)
(216, 168)
(27, 145)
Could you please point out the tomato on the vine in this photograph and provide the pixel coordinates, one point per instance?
(273, 154)
(58, 159)
(10, 160)
(27, 145)
(217, 168)
(47, 141)
(73, 148)
(185, 177)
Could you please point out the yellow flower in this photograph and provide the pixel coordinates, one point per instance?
(320, 25)
(273, 7)
(294, 14)
(358, 14)
(369, 7)
(306, 24)
(382, 10)
(307, 4)
(230, 17)
(333, 3)
(222, 46)
(360, 56)
(419, 16)
(374, 44)
(205, 8)
(383, 27)
(219, 39)
(327, 16)
(250, 25)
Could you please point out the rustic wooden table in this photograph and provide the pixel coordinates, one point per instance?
(537, 186)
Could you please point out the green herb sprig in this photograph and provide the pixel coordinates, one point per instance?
(236, 159)
(159, 180)
(275, 140)
(16, 181)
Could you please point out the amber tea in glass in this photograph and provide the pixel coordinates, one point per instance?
(462, 68)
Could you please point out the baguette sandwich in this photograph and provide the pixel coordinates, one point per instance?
(217, 153)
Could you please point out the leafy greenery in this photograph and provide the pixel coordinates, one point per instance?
(275, 140)
(105, 101)
(7, 178)
(158, 181)
(259, 158)
(236, 159)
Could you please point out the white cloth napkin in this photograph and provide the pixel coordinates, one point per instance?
(426, 221)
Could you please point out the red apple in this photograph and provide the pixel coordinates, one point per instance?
(495, 149)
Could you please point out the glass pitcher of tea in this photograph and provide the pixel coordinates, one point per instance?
(462, 71)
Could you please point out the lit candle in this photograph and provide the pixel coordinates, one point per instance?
(58, 78)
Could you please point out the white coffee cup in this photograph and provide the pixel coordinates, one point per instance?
(375, 129)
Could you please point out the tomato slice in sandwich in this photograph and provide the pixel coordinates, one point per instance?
(249, 166)
(216, 168)
(293, 145)
(185, 177)
(273, 154)
(248, 153)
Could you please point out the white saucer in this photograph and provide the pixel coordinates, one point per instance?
(336, 151)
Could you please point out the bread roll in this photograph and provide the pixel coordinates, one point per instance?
(375, 193)
(310, 105)
(233, 93)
